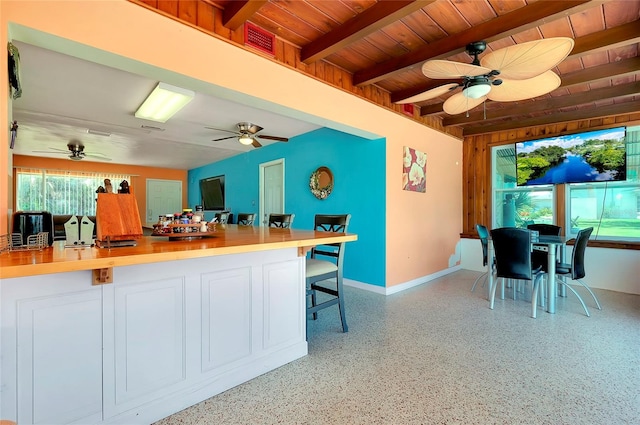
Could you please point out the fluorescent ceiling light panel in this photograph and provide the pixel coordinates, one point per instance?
(163, 102)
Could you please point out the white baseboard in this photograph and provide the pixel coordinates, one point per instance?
(402, 286)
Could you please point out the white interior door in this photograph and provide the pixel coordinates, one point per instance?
(271, 189)
(163, 197)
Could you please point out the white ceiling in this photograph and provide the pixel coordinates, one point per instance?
(63, 97)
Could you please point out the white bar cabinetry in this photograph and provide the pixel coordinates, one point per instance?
(162, 337)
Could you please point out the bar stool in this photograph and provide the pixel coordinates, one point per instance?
(222, 217)
(246, 219)
(281, 220)
(326, 262)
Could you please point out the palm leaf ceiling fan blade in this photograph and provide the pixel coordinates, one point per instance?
(459, 103)
(512, 90)
(430, 94)
(527, 60)
(441, 69)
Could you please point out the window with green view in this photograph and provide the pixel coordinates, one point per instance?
(60, 192)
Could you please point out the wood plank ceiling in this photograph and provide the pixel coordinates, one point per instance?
(385, 43)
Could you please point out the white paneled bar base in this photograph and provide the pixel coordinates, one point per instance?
(162, 337)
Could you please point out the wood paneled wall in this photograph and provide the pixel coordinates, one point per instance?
(476, 158)
(208, 18)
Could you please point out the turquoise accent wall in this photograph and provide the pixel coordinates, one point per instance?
(358, 167)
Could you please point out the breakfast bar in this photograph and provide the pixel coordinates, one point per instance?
(133, 334)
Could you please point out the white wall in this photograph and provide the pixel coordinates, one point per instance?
(613, 269)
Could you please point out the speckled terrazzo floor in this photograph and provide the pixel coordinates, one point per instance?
(436, 354)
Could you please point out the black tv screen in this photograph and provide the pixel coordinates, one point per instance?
(212, 192)
(592, 156)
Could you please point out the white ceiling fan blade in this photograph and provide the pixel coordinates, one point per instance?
(459, 103)
(97, 156)
(429, 94)
(56, 152)
(512, 90)
(54, 149)
(448, 69)
(528, 59)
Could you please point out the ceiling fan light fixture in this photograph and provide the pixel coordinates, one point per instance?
(164, 102)
(476, 89)
(245, 139)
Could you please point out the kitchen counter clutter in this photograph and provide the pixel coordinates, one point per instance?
(169, 324)
(229, 239)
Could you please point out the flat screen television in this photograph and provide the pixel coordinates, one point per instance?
(592, 156)
(212, 193)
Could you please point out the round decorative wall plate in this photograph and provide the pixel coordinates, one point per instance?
(321, 183)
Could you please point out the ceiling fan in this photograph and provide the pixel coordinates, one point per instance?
(513, 73)
(246, 134)
(76, 152)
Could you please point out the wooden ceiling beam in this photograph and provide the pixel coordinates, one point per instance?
(435, 108)
(611, 38)
(623, 90)
(373, 19)
(558, 117)
(602, 72)
(236, 13)
(525, 18)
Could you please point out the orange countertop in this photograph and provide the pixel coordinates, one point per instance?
(227, 239)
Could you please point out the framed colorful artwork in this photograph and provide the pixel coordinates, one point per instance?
(414, 170)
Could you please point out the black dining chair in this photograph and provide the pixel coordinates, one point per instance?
(539, 258)
(324, 268)
(222, 217)
(281, 220)
(512, 250)
(246, 219)
(483, 233)
(576, 270)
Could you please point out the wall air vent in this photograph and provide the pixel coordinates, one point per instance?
(260, 39)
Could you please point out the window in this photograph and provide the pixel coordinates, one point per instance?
(611, 208)
(60, 192)
(515, 206)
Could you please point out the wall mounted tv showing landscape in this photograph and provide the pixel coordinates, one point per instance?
(212, 192)
(592, 156)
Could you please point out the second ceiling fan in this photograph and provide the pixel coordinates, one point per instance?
(247, 134)
(518, 72)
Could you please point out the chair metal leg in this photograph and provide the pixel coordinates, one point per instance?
(492, 290)
(591, 292)
(343, 313)
(534, 296)
(475, 282)
(564, 282)
(313, 304)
